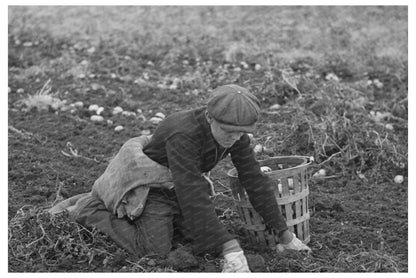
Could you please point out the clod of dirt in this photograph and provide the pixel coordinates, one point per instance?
(151, 262)
(256, 263)
(337, 207)
(180, 259)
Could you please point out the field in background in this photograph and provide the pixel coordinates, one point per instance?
(361, 35)
(333, 85)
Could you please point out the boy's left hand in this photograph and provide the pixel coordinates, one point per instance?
(296, 244)
(235, 262)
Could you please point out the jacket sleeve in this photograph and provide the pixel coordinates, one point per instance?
(259, 187)
(192, 191)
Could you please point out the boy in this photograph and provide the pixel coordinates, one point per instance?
(172, 192)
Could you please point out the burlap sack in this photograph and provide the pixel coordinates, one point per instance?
(124, 185)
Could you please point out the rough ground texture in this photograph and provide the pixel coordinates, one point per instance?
(337, 80)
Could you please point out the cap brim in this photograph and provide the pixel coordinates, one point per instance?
(240, 128)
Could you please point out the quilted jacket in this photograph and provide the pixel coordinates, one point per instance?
(183, 142)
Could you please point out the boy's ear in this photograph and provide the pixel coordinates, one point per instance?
(208, 116)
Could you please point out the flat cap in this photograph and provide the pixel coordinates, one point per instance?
(234, 108)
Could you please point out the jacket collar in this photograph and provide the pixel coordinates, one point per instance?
(209, 141)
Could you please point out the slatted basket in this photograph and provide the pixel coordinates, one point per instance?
(290, 177)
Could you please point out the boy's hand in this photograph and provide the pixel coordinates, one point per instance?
(295, 244)
(235, 262)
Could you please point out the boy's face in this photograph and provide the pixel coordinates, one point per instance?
(223, 137)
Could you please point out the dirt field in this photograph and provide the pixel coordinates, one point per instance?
(333, 82)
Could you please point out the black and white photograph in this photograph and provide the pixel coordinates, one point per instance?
(208, 138)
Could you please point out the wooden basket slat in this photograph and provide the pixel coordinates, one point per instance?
(241, 213)
(276, 191)
(247, 216)
(304, 206)
(271, 240)
(261, 236)
(285, 187)
(302, 180)
(292, 198)
(298, 209)
(298, 220)
(289, 212)
(282, 173)
(297, 183)
(291, 161)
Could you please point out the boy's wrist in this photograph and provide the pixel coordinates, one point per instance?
(230, 247)
(286, 237)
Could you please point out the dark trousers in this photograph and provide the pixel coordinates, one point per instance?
(152, 233)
